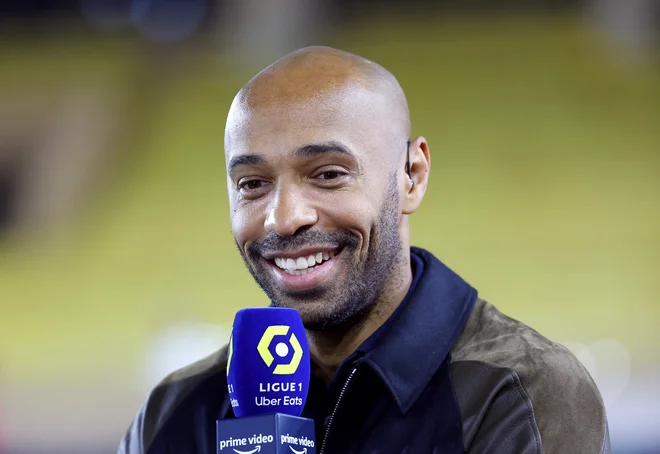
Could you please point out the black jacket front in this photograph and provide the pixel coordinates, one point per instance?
(447, 373)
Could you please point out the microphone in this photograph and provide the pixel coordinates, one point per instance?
(268, 374)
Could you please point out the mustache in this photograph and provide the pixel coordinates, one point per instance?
(276, 243)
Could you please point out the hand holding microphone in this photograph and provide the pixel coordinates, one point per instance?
(268, 374)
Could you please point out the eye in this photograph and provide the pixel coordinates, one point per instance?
(331, 177)
(252, 187)
(252, 184)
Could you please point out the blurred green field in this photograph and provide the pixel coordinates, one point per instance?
(545, 194)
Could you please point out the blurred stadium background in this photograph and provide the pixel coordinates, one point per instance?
(117, 263)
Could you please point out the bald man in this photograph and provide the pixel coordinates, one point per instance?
(322, 178)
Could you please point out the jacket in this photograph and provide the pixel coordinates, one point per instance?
(446, 373)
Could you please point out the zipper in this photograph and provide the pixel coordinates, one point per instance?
(334, 410)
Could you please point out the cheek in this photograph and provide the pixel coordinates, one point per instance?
(352, 212)
(246, 225)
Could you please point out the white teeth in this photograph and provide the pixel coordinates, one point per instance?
(311, 261)
(302, 265)
(300, 272)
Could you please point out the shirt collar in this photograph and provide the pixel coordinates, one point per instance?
(412, 344)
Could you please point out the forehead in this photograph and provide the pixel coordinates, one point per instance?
(353, 116)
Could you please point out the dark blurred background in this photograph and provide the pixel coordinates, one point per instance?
(117, 263)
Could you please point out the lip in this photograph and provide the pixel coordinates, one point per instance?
(320, 275)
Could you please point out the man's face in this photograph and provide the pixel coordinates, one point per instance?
(314, 205)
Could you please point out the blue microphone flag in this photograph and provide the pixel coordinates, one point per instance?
(268, 366)
(268, 374)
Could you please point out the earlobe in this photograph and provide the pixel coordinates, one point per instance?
(409, 200)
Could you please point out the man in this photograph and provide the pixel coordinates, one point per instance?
(322, 177)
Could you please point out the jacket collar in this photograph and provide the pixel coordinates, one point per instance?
(412, 344)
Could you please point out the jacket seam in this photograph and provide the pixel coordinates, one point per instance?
(519, 388)
(529, 410)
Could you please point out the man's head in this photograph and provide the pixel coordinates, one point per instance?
(315, 146)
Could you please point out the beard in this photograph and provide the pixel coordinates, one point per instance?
(353, 291)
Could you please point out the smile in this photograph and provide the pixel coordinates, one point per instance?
(304, 269)
(298, 266)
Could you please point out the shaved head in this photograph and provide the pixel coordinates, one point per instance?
(319, 196)
(323, 76)
(312, 72)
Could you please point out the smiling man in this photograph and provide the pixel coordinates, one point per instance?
(323, 175)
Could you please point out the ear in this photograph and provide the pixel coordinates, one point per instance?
(416, 184)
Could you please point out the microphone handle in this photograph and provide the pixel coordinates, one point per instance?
(276, 433)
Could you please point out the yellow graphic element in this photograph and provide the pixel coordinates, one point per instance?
(231, 351)
(264, 343)
(292, 367)
(267, 338)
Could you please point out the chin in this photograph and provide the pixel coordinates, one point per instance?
(315, 314)
(321, 308)
(338, 319)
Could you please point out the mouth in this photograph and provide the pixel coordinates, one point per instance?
(304, 270)
(303, 264)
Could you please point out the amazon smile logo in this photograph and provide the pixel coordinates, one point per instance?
(257, 449)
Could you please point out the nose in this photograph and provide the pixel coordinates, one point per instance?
(289, 211)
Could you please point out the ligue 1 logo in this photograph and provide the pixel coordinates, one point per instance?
(281, 349)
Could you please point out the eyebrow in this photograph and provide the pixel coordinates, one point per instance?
(306, 151)
(245, 160)
(315, 149)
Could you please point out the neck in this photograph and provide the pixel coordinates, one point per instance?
(330, 348)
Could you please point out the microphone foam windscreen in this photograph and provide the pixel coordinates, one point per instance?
(268, 367)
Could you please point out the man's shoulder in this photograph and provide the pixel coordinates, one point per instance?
(492, 337)
(501, 355)
(212, 364)
(173, 392)
(181, 383)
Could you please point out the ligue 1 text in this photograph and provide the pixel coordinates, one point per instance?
(280, 387)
